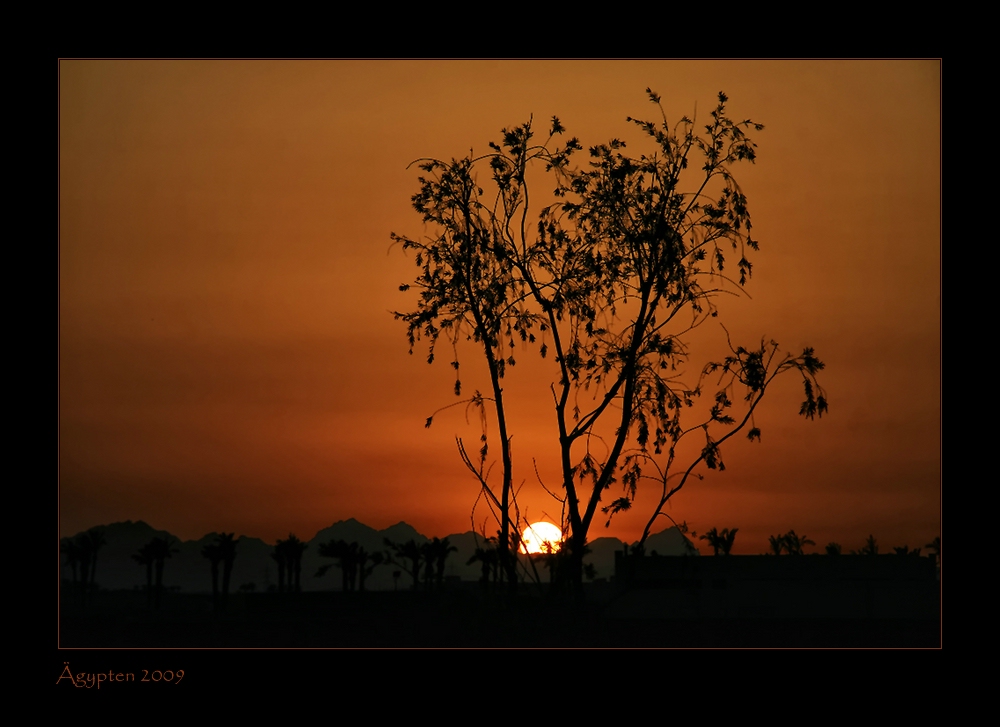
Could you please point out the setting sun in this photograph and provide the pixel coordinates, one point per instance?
(541, 538)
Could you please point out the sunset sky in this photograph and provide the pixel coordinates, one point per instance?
(229, 361)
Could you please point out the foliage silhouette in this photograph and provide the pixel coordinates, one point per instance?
(407, 556)
(935, 550)
(346, 561)
(288, 555)
(367, 563)
(280, 557)
(435, 553)
(561, 563)
(159, 550)
(294, 548)
(613, 276)
(356, 564)
(794, 543)
(720, 542)
(70, 548)
(221, 552)
(791, 543)
(81, 552)
(213, 553)
(489, 559)
(869, 548)
(91, 542)
(146, 557)
(833, 549)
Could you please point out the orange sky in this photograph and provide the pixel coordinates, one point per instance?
(228, 360)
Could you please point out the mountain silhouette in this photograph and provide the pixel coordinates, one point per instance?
(670, 542)
(189, 571)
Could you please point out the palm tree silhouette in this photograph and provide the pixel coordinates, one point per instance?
(408, 551)
(790, 543)
(777, 544)
(490, 560)
(293, 549)
(439, 551)
(347, 560)
(213, 552)
(870, 547)
(365, 570)
(145, 557)
(721, 543)
(280, 555)
(427, 554)
(87, 544)
(794, 544)
(94, 540)
(935, 547)
(84, 554)
(70, 548)
(227, 547)
(159, 550)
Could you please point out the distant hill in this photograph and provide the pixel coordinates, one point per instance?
(189, 571)
(670, 542)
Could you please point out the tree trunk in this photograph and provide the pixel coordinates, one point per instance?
(227, 573)
(159, 582)
(215, 585)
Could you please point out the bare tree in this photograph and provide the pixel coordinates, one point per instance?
(611, 276)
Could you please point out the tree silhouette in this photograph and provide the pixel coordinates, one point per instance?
(791, 543)
(488, 557)
(935, 547)
(81, 552)
(294, 548)
(833, 549)
(71, 549)
(870, 547)
(146, 557)
(427, 555)
(613, 277)
(560, 563)
(288, 555)
(88, 544)
(280, 556)
(407, 556)
(442, 549)
(367, 563)
(226, 544)
(347, 560)
(159, 550)
(794, 544)
(720, 542)
(434, 554)
(213, 552)
(355, 562)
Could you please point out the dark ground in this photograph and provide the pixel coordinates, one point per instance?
(459, 618)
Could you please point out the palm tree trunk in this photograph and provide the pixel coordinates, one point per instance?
(159, 580)
(215, 585)
(226, 574)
